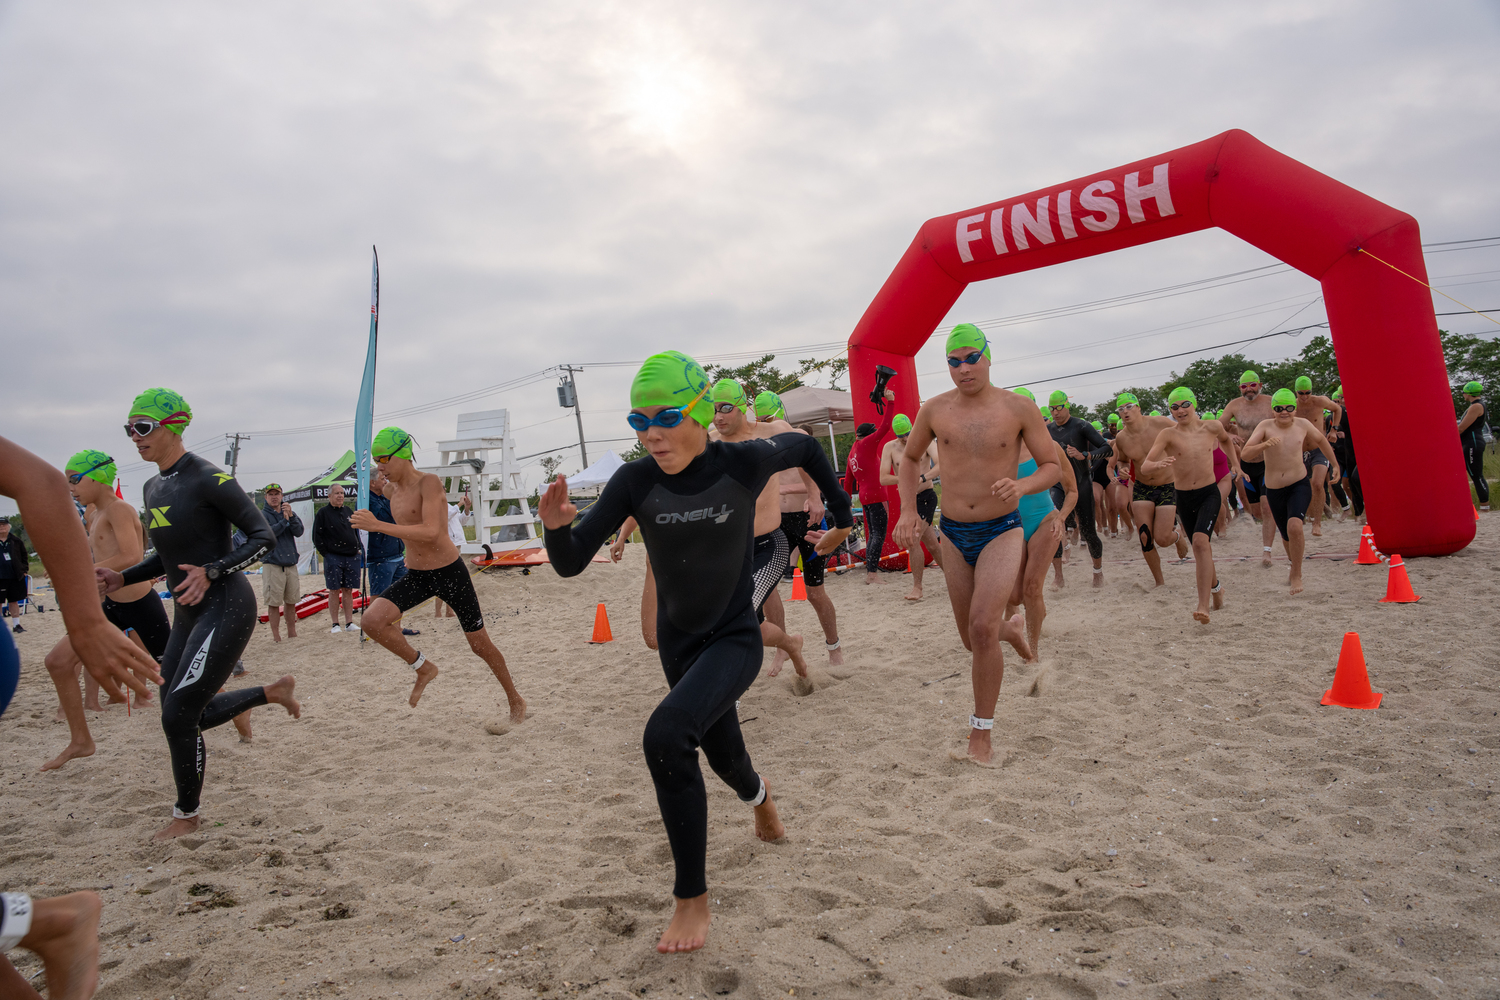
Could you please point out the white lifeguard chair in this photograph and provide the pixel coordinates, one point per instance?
(483, 457)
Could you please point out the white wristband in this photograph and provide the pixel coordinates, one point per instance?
(15, 919)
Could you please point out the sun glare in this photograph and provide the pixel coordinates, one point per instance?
(661, 90)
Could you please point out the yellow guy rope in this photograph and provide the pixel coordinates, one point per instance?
(1424, 284)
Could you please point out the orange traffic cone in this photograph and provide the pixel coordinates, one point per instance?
(1476, 512)
(1398, 587)
(1367, 554)
(799, 589)
(1351, 682)
(601, 626)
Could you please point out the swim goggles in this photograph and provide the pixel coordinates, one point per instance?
(725, 407)
(1283, 409)
(392, 454)
(143, 426)
(670, 417)
(1185, 404)
(968, 359)
(77, 477)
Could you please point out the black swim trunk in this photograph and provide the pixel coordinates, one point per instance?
(1199, 509)
(1290, 501)
(1255, 480)
(1313, 459)
(770, 557)
(794, 525)
(147, 616)
(927, 505)
(12, 590)
(1100, 473)
(1163, 496)
(451, 584)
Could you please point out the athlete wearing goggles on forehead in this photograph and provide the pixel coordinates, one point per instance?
(74, 478)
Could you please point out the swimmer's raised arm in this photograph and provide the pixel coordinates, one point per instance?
(570, 546)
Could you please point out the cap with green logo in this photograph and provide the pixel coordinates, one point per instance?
(1023, 391)
(1302, 384)
(727, 390)
(1182, 394)
(1058, 398)
(1338, 393)
(1098, 426)
(901, 425)
(967, 335)
(92, 464)
(1249, 377)
(672, 379)
(1473, 389)
(1126, 399)
(770, 406)
(1114, 418)
(1284, 397)
(165, 407)
(391, 442)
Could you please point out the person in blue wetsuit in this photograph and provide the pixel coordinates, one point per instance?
(1042, 527)
(194, 507)
(694, 500)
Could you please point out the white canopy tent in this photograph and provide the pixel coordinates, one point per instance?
(597, 474)
(820, 412)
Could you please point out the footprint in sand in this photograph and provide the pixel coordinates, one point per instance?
(498, 728)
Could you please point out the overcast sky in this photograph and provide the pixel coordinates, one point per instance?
(189, 192)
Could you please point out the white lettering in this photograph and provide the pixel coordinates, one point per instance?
(1065, 214)
(1157, 190)
(997, 231)
(963, 235)
(1022, 222)
(1094, 198)
(702, 514)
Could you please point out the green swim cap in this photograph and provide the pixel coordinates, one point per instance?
(1154, 413)
(1127, 399)
(727, 390)
(1249, 377)
(901, 425)
(1473, 388)
(769, 405)
(673, 379)
(1182, 394)
(166, 407)
(92, 464)
(1098, 426)
(391, 442)
(1284, 397)
(1338, 393)
(1114, 418)
(1058, 398)
(1023, 391)
(967, 335)
(1303, 384)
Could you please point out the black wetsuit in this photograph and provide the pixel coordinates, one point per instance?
(1343, 449)
(1472, 440)
(699, 529)
(193, 507)
(1080, 434)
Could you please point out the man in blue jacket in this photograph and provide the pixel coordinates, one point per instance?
(279, 583)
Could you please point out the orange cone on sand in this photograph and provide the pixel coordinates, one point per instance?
(1351, 681)
(799, 588)
(1367, 554)
(601, 626)
(1398, 587)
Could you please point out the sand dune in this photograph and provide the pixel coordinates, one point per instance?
(1174, 814)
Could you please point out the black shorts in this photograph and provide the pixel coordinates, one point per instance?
(1255, 480)
(451, 584)
(147, 616)
(1311, 459)
(12, 590)
(794, 526)
(1100, 474)
(768, 560)
(927, 505)
(1163, 496)
(1290, 501)
(1199, 509)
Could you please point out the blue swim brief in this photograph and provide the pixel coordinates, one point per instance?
(970, 537)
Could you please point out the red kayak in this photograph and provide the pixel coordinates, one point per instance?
(311, 604)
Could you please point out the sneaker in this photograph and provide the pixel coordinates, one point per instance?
(411, 631)
(239, 669)
(351, 627)
(335, 630)
(18, 629)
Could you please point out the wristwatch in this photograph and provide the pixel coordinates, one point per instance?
(212, 571)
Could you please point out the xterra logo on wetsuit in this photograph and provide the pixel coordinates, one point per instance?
(159, 517)
(702, 514)
(223, 477)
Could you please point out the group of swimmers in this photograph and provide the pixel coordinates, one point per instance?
(720, 500)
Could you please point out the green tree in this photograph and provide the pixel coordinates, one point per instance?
(1471, 359)
(549, 467)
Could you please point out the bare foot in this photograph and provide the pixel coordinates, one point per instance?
(425, 673)
(873, 578)
(242, 726)
(517, 709)
(1057, 581)
(275, 637)
(767, 821)
(65, 933)
(795, 652)
(916, 593)
(280, 693)
(1265, 558)
(1098, 578)
(1295, 580)
(1201, 616)
(689, 927)
(177, 828)
(69, 752)
(776, 662)
(1217, 594)
(92, 704)
(58, 716)
(836, 657)
(1013, 631)
(291, 633)
(1317, 529)
(980, 750)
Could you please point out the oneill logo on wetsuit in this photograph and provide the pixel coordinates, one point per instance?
(702, 514)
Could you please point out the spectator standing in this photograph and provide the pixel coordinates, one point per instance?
(13, 567)
(338, 543)
(386, 554)
(279, 583)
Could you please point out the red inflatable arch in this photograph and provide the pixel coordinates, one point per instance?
(1384, 331)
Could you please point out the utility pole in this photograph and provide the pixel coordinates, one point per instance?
(567, 395)
(232, 455)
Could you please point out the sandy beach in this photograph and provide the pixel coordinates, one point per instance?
(1174, 814)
